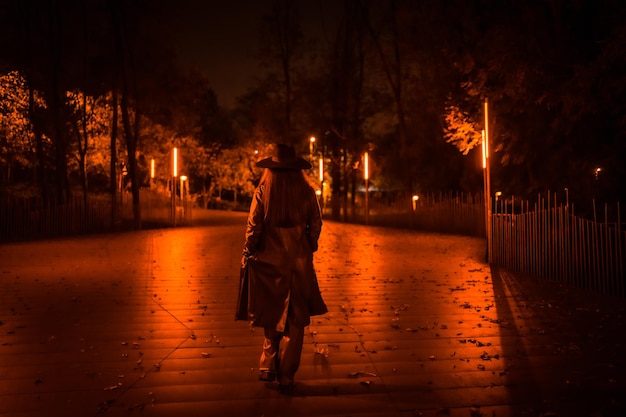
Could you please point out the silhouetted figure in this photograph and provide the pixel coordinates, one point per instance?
(283, 228)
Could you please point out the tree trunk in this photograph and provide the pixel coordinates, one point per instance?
(39, 151)
(347, 75)
(131, 131)
(34, 114)
(57, 106)
(82, 137)
(113, 164)
(131, 153)
(393, 72)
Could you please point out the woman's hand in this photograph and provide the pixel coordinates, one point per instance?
(244, 258)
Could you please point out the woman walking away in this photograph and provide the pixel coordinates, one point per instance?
(283, 228)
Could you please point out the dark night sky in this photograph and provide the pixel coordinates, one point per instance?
(220, 37)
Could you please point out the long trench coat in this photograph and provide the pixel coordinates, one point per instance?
(280, 268)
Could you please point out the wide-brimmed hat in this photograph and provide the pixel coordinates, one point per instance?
(284, 158)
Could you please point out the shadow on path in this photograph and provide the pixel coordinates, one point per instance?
(570, 352)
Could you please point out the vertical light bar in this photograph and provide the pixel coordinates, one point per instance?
(366, 166)
(484, 146)
(487, 175)
(366, 176)
(486, 141)
(152, 168)
(175, 162)
(321, 169)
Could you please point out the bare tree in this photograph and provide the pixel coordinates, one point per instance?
(128, 98)
(348, 72)
(392, 64)
(284, 37)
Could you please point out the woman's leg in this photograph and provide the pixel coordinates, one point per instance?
(268, 363)
(290, 353)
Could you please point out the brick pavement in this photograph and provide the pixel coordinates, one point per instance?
(141, 324)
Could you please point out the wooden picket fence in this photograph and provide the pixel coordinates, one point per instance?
(546, 240)
(29, 219)
(555, 244)
(451, 213)
(23, 219)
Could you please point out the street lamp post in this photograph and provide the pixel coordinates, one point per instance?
(487, 182)
(152, 172)
(321, 173)
(183, 178)
(173, 183)
(123, 173)
(366, 177)
(311, 148)
(414, 203)
(183, 194)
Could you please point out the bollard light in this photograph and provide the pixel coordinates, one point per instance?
(183, 178)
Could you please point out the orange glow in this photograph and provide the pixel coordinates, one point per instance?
(366, 166)
(486, 138)
(152, 168)
(183, 178)
(487, 181)
(175, 162)
(321, 169)
(484, 151)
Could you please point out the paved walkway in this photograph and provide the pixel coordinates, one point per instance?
(141, 324)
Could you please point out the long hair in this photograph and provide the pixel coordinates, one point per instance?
(286, 195)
